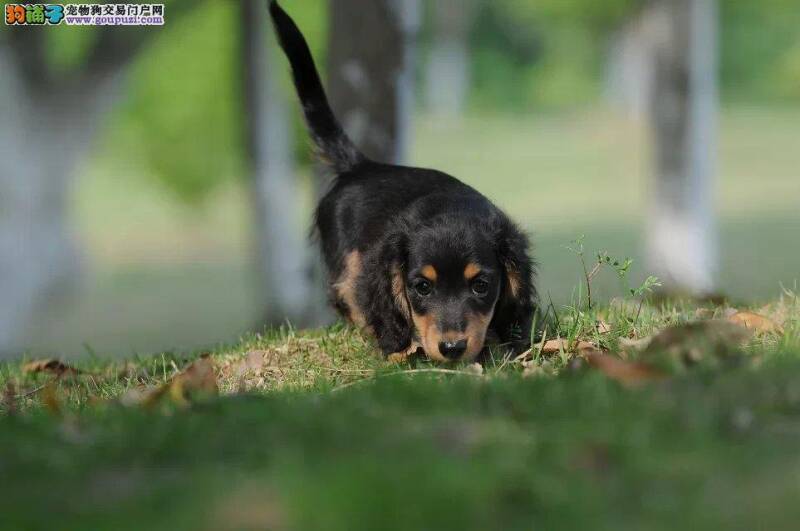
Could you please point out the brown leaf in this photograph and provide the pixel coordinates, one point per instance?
(635, 344)
(51, 366)
(602, 327)
(554, 346)
(700, 342)
(756, 322)
(628, 373)
(197, 379)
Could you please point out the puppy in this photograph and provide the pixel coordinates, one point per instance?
(414, 256)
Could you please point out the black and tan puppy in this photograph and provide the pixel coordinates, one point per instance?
(414, 256)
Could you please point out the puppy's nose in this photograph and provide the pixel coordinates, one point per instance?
(453, 349)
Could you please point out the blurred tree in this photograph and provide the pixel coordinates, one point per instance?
(447, 71)
(370, 84)
(681, 238)
(50, 111)
(284, 281)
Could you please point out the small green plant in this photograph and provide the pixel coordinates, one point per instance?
(621, 267)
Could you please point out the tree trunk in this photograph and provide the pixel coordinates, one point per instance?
(284, 281)
(44, 134)
(47, 125)
(447, 72)
(370, 81)
(682, 233)
(629, 72)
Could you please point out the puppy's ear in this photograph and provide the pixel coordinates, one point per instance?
(513, 314)
(382, 294)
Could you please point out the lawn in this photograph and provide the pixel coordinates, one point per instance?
(652, 416)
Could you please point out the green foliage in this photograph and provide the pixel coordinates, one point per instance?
(761, 49)
(546, 53)
(181, 118)
(551, 53)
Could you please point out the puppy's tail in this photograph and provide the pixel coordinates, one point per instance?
(332, 144)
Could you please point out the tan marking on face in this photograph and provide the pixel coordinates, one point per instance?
(471, 271)
(345, 288)
(399, 291)
(429, 335)
(477, 325)
(429, 272)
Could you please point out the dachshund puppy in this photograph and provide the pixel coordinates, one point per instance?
(414, 256)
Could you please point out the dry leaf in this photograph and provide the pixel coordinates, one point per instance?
(635, 344)
(755, 322)
(52, 366)
(554, 346)
(602, 327)
(403, 356)
(198, 378)
(700, 342)
(627, 373)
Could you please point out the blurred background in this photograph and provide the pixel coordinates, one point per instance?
(156, 185)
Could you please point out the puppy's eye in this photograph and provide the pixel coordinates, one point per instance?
(423, 288)
(480, 287)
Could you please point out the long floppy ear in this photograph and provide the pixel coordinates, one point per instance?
(513, 314)
(382, 294)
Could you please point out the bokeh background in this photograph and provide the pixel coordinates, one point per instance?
(134, 149)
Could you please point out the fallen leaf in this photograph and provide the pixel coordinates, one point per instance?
(701, 342)
(554, 346)
(628, 373)
(755, 322)
(403, 356)
(52, 366)
(197, 379)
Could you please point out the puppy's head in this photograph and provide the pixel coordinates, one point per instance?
(451, 283)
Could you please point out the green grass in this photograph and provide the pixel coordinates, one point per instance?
(322, 434)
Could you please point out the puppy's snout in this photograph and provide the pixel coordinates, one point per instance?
(453, 350)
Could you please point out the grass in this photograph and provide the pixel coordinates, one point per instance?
(311, 430)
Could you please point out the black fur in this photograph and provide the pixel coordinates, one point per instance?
(398, 220)
(332, 144)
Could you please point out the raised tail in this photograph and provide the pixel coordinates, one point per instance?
(333, 146)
